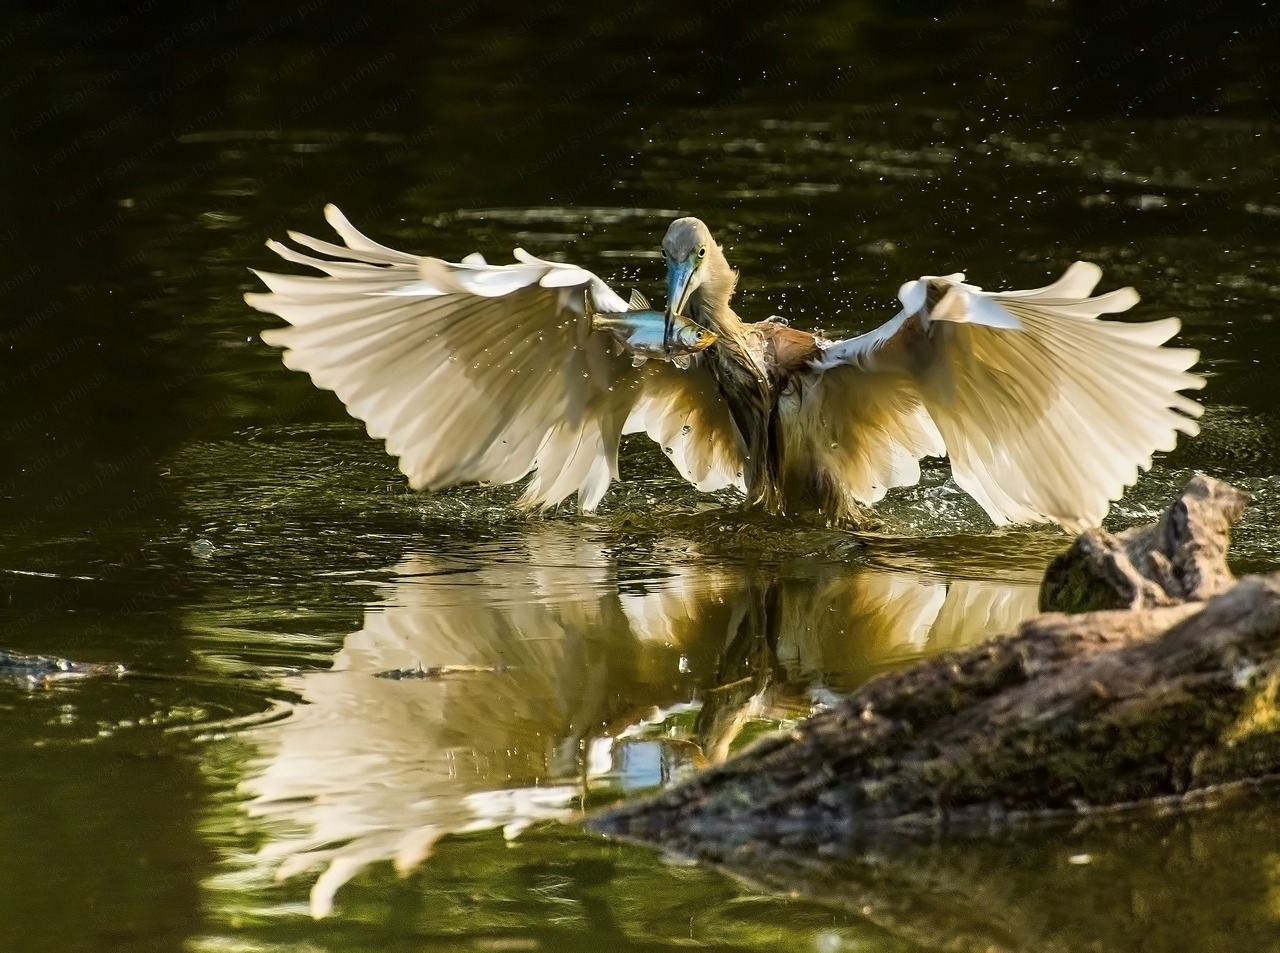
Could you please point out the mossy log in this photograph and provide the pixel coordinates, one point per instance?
(1072, 713)
(1180, 558)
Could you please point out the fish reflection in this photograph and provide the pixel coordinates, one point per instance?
(526, 684)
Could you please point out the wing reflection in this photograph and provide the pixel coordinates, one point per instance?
(555, 680)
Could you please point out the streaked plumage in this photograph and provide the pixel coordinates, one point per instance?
(493, 373)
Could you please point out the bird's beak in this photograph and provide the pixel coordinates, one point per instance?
(679, 286)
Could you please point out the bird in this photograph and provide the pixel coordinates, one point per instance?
(474, 372)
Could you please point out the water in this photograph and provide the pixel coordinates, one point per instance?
(176, 501)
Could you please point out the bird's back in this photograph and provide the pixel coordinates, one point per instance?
(787, 350)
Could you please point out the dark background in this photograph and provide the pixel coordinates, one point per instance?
(838, 149)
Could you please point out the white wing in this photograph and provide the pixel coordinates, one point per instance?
(684, 414)
(469, 371)
(865, 432)
(1046, 412)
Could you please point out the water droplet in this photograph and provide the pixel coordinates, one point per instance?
(684, 664)
(202, 548)
(686, 430)
(668, 449)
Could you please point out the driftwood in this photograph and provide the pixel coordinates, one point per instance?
(1072, 714)
(1180, 558)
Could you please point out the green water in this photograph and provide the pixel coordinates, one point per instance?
(175, 500)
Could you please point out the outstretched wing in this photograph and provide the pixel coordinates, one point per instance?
(470, 372)
(1046, 411)
(683, 413)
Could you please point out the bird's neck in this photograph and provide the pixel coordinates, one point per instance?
(711, 299)
(710, 306)
(736, 340)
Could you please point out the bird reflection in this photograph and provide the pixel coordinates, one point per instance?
(531, 682)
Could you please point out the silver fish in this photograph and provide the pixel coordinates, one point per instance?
(641, 329)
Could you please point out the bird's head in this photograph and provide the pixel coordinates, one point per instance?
(695, 266)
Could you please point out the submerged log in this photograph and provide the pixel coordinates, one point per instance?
(1072, 713)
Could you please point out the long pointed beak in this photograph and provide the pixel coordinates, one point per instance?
(679, 286)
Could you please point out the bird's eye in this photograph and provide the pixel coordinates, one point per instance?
(702, 252)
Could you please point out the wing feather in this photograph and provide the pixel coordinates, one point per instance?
(476, 372)
(866, 433)
(354, 239)
(1047, 417)
(683, 412)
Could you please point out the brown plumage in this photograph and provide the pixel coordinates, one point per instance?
(753, 365)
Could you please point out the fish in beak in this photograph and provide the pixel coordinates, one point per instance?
(647, 334)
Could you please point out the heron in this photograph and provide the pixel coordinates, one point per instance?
(473, 372)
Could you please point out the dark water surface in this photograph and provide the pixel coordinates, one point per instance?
(177, 501)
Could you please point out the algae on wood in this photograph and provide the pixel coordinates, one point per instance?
(1180, 558)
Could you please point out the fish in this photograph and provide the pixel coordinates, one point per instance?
(641, 332)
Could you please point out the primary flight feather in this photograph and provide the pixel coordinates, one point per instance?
(473, 372)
